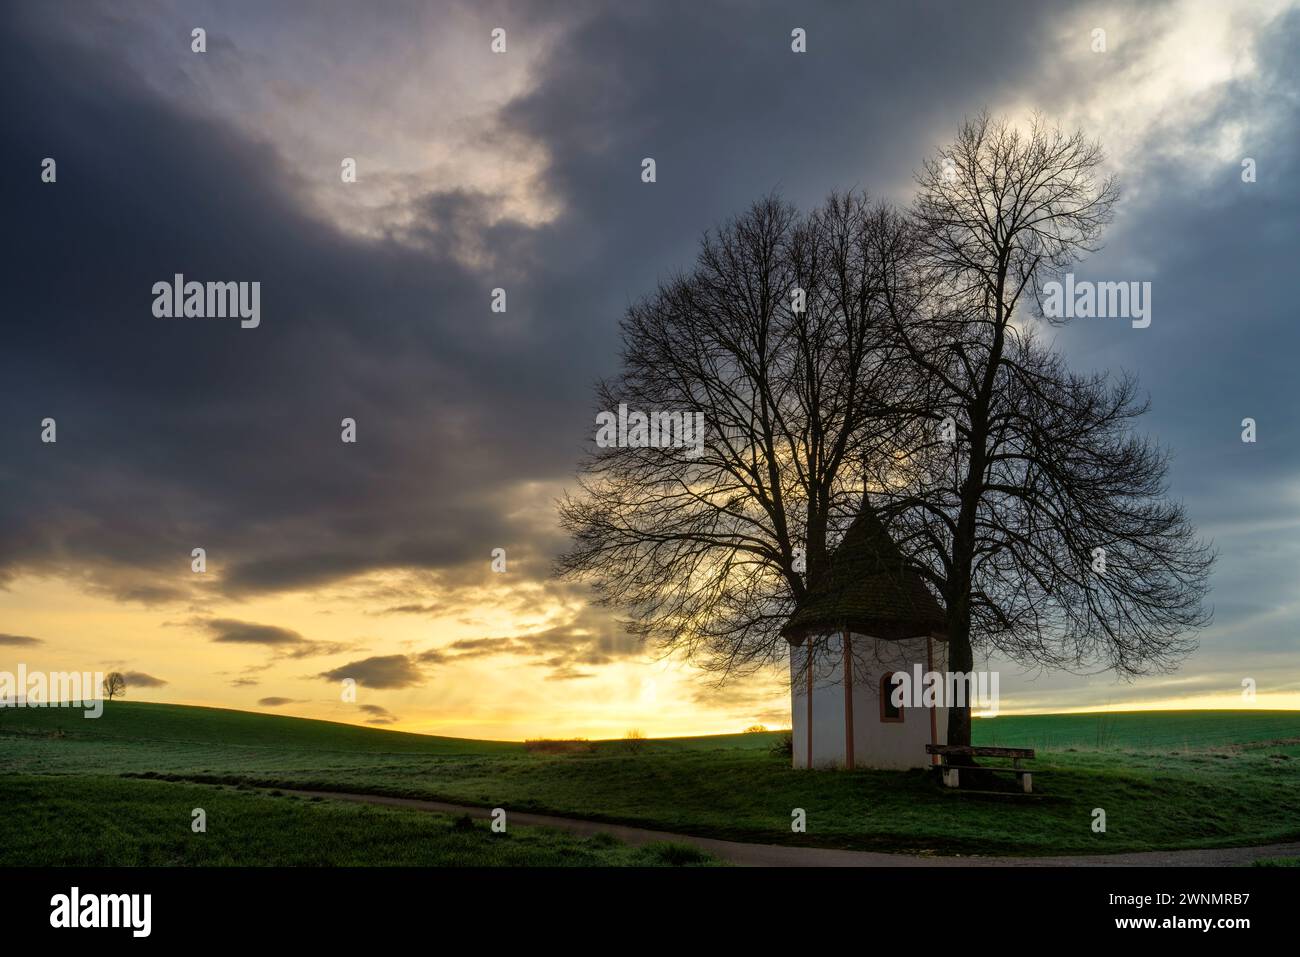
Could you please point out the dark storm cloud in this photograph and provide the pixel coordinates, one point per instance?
(24, 640)
(249, 633)
(380, 671)
(412, 609)
(483, 647)
(569, 673)
(178, 434)
(138, 679)
(592, 636)
(589, 636)
(284, 641)
(379, 714)
(1223, 339)
(729, 114)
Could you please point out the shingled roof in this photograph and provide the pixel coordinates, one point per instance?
(868, 589)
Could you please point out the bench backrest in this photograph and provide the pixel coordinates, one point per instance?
(979, 752)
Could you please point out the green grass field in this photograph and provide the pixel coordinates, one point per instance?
(94, 821)
(1140, 730)
(1166, 780)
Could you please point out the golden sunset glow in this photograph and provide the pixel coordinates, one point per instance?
(478, 172)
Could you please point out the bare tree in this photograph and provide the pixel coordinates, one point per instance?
(1039, 518)
(914, 325)
(114, 685)
(780, 336)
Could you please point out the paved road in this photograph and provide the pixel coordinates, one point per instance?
(772, 855)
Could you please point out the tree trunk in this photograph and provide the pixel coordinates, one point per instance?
(960, 659)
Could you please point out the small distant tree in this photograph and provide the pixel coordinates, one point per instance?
(756, 729)
(114, 685)
(634, 740)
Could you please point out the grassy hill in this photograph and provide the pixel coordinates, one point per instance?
(177, 723)
(1166, 780)
(185, 724)
(1138, 730)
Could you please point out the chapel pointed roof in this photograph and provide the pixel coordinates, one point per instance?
(868, 588)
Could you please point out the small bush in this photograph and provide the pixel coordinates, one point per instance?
(676, 855)
(554, 746)
(784, 746)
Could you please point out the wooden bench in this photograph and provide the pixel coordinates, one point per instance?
(951, 774)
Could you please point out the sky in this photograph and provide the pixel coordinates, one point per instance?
(521, 170)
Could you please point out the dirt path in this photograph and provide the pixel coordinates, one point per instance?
(773, 855)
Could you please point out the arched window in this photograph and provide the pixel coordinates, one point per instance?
(890, 713)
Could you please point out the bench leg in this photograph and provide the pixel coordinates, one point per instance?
(1027, 780)
(950, 777)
